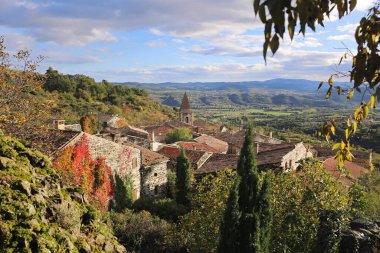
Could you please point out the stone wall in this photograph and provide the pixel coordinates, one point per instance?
(154, 180)
(123, 160)
(291, 160)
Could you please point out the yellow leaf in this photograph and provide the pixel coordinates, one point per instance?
(347, 134)
(365, 111)
(330, 81)
(371, 102)
(355, 126)
(335, 146)
(342, 145)
(332, 128)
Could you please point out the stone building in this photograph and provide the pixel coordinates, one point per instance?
(284, 157)
(125, 161)
(235, 140)
(153, 172)
(185, 112)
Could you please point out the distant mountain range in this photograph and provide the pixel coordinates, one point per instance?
(290, 92)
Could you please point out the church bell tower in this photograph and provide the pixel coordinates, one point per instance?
(185, 113)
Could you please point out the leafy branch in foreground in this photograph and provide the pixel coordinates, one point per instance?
(365, 78)
(276, 14)
(364, 73)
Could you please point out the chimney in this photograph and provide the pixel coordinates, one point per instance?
(270, 134)
(59, 124)
(257, 147)
(153, 137)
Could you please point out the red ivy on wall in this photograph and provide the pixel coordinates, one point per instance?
(77, 167)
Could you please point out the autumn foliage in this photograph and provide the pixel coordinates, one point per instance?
(76, 166)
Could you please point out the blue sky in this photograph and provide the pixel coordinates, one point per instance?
(169, 40)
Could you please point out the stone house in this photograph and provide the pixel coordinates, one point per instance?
(106, 120)
(125, 161)
(235, 140)
(196, 157)
(284, 157)
(153, 172)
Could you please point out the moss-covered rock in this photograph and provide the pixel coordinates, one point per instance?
(37, 215)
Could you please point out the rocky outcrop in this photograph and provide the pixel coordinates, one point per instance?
(363, 236)
(38, 215)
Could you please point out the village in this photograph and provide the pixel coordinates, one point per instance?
(142, 154)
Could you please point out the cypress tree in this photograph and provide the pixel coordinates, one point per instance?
(266, 214)
(229, 230)
(248, 216)
(183, 180)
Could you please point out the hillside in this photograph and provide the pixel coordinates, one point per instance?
(72, 96)
(37, 215)
(274, 92)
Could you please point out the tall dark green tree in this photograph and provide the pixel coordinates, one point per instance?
(266, 214)
(229, 230)
(183, 179)
(248, 209)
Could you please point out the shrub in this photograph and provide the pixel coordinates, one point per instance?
(166, 209)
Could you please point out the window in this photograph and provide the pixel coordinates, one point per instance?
(286, 165)
(134, 162)
(187, 119)
(290, 164)
(156, 190)
(155, 174)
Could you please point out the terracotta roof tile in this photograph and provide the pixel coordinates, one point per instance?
(355, 170)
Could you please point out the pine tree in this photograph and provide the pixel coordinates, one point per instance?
(247, 222)
(184, 179)
(229, 237)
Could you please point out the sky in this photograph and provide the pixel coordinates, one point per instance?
(169, 40)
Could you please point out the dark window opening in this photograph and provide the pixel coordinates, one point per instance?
(155, 174)
(156, 190)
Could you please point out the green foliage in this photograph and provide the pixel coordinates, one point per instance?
(329, 232)
(77, 95)
(166, 209)
(199, 229)
(249, 208)
(229, 229)
(298, 203)
(122, 194)
(179, 134)
(371, 198)
(141, 232)
(184, 178)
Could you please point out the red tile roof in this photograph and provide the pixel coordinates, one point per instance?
(355, 170)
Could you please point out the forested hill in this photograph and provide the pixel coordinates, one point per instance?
(76, 95)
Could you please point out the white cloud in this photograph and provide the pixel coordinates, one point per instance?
(342, 37)
(156, 43)
(364, 5)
